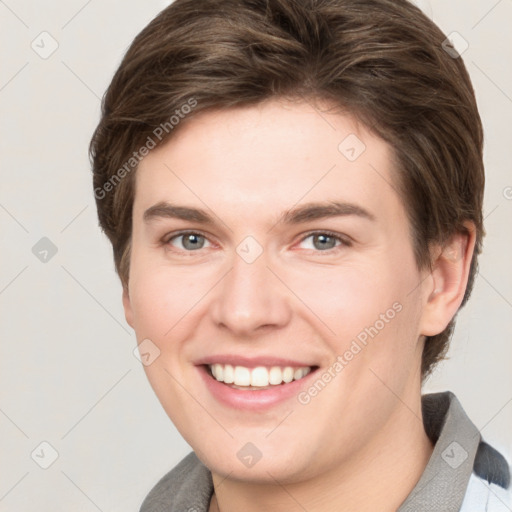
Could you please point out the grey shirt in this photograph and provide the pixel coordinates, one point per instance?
(461, 471)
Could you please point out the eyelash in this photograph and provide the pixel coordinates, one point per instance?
(345, 241)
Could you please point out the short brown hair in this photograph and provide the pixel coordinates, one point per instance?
(382, 61)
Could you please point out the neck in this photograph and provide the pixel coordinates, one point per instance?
(378, 477)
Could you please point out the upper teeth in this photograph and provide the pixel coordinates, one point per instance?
(259, 376)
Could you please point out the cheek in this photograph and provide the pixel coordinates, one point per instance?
(165, 302)
(363, 302)
(346, 298)
(163, 299)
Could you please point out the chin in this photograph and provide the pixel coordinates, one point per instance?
(247, 463)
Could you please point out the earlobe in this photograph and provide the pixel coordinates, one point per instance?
(127, 305)
(445, 288)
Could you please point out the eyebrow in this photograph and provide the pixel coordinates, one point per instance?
(298, 215)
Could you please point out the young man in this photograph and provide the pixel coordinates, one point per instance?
(293, 191)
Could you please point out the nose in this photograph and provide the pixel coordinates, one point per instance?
(250, 299)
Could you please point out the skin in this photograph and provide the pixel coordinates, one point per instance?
(359, 445)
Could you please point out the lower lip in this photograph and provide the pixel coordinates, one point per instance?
(255, 400)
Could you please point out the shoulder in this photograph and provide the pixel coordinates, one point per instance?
(491, 466)
(464, 473)
(187, 487)
(489, 486)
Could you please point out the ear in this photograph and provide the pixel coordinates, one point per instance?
(127, 305)
(445, 286)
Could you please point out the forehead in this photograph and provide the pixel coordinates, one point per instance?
(266, 158)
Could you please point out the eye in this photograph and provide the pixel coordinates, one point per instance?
(191, 240)
(324, 241)
(321, 241)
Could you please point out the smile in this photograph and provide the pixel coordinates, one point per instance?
(260, 377)
(255, 388)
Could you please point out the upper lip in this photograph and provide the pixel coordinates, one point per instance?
(250, 362)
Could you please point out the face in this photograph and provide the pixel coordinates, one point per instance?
(270, 237)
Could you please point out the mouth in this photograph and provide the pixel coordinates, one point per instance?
(255, 388)
(257, 378)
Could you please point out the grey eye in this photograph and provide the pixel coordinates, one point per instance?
(322, 241)
(191, 241)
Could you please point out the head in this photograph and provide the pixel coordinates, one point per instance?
(211, 104)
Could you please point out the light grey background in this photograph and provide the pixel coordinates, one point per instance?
(68, 374)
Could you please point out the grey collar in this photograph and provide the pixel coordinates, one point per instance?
(189, 487)
(443, 484)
